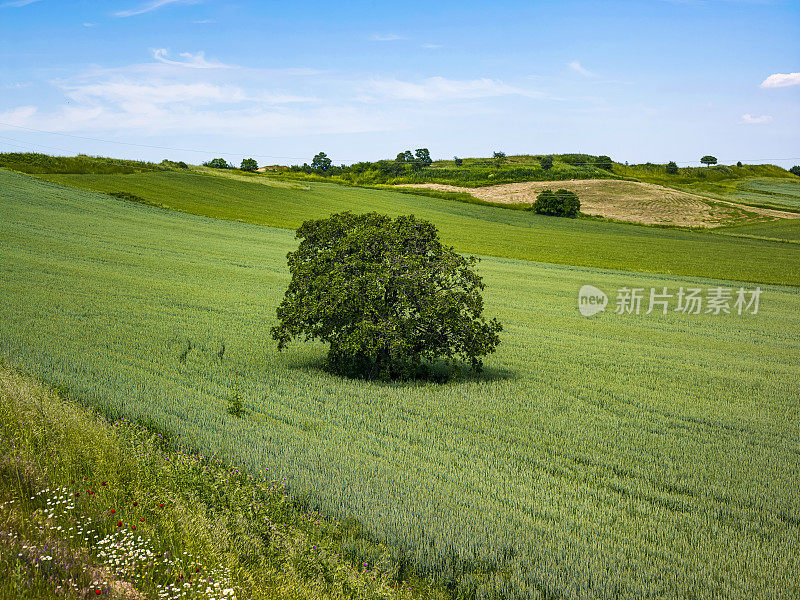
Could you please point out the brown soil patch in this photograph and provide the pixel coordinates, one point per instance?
(625, 201)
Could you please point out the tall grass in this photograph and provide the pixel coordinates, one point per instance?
(90, 508)
(33, 163)
(620, 456)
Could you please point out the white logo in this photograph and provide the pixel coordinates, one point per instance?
(591, 300)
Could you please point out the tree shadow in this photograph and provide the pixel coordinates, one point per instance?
(438, 372)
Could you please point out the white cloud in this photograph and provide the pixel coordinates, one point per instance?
(751, 120)
(439, 88)
(17, 116)
(578, 68)
(17, 3)
(149, 6)
(132, 94)
(385, 37)
(193, 61)
(431, 46)
(781, 80)
(87, 24)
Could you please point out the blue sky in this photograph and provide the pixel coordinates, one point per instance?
(648, 80)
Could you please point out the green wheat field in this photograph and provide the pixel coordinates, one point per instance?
(617, 456)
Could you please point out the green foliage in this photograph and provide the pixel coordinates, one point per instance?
(582, 463)
(672, 168)
(708, 160)
(81, 496)
(218, 163)
(385, 295)
(562, 203)
(321, 163)
(422, 159)
(33, 163)
(546, 162)
(795, 170)
(604, 162)
(249, 164)
(472, 228)
(127, 196)
(458, 161)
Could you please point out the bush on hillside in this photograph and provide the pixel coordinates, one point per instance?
(604, 162)
(795, 170)
(218, 163)
(386, 295)
(561, 203)
(546, 162)
(672, 168)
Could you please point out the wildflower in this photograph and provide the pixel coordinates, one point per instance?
(136, 503)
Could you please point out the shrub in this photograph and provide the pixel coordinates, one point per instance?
(546, 162)
(795, 170)
(603, 162)
(218, 163)
(561, 203)
(672, 168)
(458, 161)
(386, 295)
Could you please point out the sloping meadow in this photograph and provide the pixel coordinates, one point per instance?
(612, 456)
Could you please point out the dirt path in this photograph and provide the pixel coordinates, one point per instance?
(626, 201)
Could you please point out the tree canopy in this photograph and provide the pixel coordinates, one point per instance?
(249, 164)
(562, 203)
(708, 160)
(321, 163)
(672, 168)
(386, 295)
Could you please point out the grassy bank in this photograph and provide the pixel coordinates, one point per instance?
(93, 508)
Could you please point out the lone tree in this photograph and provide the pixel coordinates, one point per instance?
(546, 162)
(386, 295)
(672, 168)
(562, 203)
(708, 160)
(321, 163)
(422, 158)
(249, 164)
(795, 170)
(458, 161)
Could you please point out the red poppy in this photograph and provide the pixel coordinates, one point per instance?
(142, 520)
(113, 511)
(136, 504)
(119, 524)
(103, 483)
(133, 526)
(98, 592)
(160, 506)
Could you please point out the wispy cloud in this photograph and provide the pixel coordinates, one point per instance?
(578, 68)
(87, 24)
(150, 6)
(386, 37)
(17, 3)
(752, 120)
(431, 46)
(193, 61)
(440, 88)
(781, 80)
